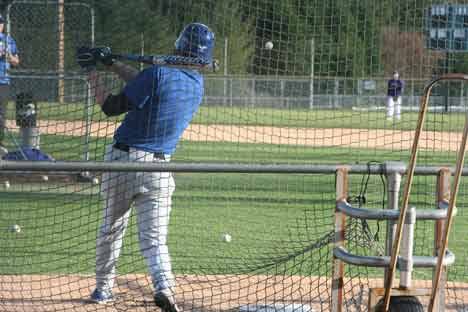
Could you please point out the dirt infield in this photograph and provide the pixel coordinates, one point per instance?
(194, 293)
(333, 137)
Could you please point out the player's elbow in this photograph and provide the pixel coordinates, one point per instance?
(115, 105)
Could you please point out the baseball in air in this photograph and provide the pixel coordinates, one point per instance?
(6, 184)
(269, 45)
(226, 238)
(15, 228)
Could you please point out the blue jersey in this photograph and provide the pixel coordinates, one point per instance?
(7, 45)
(163, 102)
(395, 87)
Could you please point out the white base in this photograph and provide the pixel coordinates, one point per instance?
(276, 307)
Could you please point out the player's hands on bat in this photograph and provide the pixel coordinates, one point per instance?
(104, 55)
(87, 57)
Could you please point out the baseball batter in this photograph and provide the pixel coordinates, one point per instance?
(394, 91)
(8, 57)
(159, 103)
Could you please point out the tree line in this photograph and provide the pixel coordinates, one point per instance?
(347, 38)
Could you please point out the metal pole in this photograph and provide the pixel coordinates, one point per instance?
(61, 49)
(225, 70)
(446, 86)
(312, 60)
(88, 111)
(142, 47)
(283, 99)
(8, 28)
(406, 263)
(393, 182)
(92, 26)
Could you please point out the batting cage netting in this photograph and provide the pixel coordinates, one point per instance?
(218, 179)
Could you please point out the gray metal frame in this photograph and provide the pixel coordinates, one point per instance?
(386, 214)
(209, 167)
(406, 261)
(383, 261)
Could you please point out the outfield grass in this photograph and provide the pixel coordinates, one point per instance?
(269, 216)
(317, 118)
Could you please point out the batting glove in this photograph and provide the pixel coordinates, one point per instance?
(104, 55)
(85, 58)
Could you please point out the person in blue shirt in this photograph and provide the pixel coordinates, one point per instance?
(159, 103)
(394, 91)
(8, 57)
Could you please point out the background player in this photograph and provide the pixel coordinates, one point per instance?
(8, 57)
(159, 103)
(394, 91)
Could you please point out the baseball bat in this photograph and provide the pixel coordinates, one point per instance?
(170, 60)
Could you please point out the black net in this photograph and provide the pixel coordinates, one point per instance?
(298, 83)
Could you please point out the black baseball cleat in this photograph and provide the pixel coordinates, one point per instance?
(165, 301)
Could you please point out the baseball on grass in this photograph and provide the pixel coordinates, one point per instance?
(269, 45)
(15, 228)
(226, 238)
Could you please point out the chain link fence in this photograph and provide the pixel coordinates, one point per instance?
(326, 93)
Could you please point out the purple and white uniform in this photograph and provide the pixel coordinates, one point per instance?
(394, 91)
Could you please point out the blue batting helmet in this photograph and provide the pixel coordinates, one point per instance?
(196, 40)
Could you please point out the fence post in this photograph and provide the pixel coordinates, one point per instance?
(88, 121)
(284, 103)
(312, 69)
(340, 227)
(226, 42)
(61, 50)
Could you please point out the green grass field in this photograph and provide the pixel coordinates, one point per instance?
(270, 216)
(72, 148)
(319, 118)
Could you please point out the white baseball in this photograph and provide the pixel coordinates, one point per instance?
(15, 228)
(95, 181)
(45, 178)
(226, 237)
(6, 184)
(269, 45)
